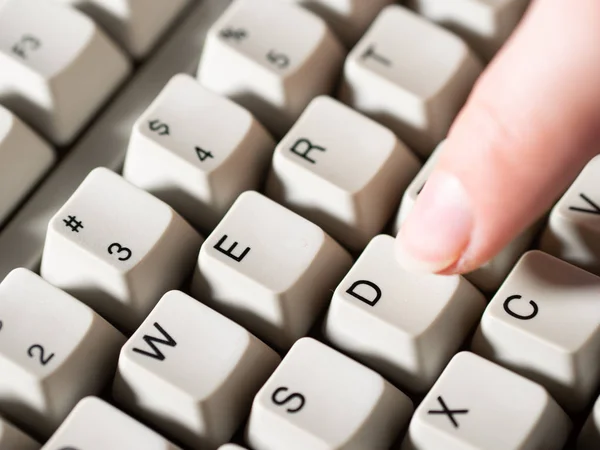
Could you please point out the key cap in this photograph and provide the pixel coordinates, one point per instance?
(272, 58)
(11, 438)
(589, 439)
(476, 404)
(573, 229)
(118, 248)
(54, 350)
(197, 151)
(341, 170)
(136, 25)
(483, 24)
(180, 342)
(404, 325)
(348, 18)
(24, 159)
(95, 425)
(231, 447)
(489, 276)
(544, 322)
(396, 76)
(268, 269)
(58, 67)
(319, 399)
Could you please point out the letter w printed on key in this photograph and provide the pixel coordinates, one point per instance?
(153, 341)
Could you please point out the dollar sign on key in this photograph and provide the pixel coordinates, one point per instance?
(232, 33)
(159, 127)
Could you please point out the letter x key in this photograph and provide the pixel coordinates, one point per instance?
(449, 412)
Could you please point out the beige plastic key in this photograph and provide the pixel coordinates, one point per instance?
(573, 230)
(484, 24)
(348, 18)
(11, 438)
(319, 399)
(490, 275)
(271, 57)
(404, 325)
(589, 438)
(341, 170)
(58, 66)
(54, 350)
(24, 159)
(197, 151)
(191, 372)
(118, 248)
(544, 322)
(411, 75)
(231, 447)
(268, 269)
(95, 425)
(136, 25)
(476, 404)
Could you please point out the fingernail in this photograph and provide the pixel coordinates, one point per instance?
(438, 228)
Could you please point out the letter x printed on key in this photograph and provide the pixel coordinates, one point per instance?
(449, 412)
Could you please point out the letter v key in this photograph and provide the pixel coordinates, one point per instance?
(595, 208)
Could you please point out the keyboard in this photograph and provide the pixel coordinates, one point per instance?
(198, 200)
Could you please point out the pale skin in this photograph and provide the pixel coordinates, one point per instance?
(530, 125)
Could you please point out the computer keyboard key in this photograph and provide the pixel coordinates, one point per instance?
(341, 170)
(118, 248)
(58, 67)
(544, 322)
(197, 151)
(269, 269)
(24, 159)
(191, 372)
(11, 438)
(54, 350)
(231, 447)
(95, 425)
(348, 18)
(476, 404)
(395, 74)
(485, 25)
(589, 438)
(490, 275)
(271, 57)
(573, 230)
(136, 25)
(404, 325)
(319, 399)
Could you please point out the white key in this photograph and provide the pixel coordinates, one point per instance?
(348, 18)
(95, 425)
(118, 248)
(269, 269)
(136, 25)
(589, 439)
(341, 170)
(404, 325)
(476, 404)
(395, 75)
(573, 230)
(24, 159)
(199, 167)
(231, 447)
(54, 350)
(484, 24)
(272, 58)
(11, 438)
(489, 276)
(181, 342)
(319, 399)
(58, 67)
(544, 322)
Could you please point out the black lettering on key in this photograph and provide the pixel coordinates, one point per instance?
(203, 154)
(510, 312)
(372, 299)
(229, 251)
(594, 208)
(236, 34)
(279, 60)
(26, 44)
(159, 127)
(371, 53)
(302, 147)
(153, 341)
(289, 398)
(119, 250)
(448, 412)
(41, 354)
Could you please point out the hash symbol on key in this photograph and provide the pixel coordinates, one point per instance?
(449, 412)
(73, 223)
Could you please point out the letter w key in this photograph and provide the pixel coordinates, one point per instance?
(595, 209)
(153, 344)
